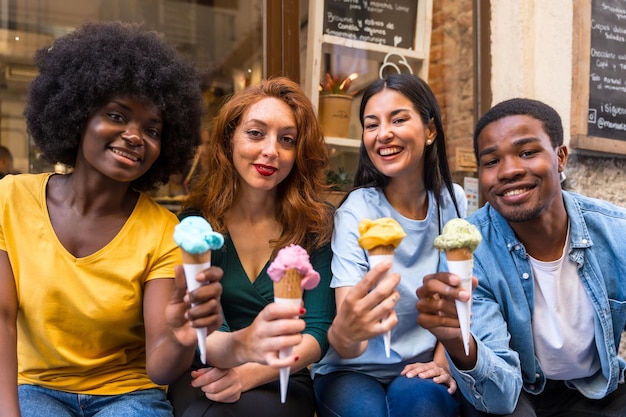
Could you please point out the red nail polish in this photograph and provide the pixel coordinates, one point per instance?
(296, 358)
(302, 310)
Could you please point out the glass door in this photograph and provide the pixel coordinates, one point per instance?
(224, 37)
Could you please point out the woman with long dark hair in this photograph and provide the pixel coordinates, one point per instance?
(402, 174)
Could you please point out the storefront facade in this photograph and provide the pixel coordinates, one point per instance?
(479, 53)
(233, 42)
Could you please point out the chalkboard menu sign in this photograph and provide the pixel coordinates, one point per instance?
(391, 23)
(607, 70)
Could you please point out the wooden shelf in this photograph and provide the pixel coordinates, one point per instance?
(348, 143)
(376, 50)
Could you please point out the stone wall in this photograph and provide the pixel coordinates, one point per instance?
(599, 177)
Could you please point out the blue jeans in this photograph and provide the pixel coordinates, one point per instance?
(557, 400)
(352, 394)
(36, 401)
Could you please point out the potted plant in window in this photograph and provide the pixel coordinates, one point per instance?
(335, 105)
(340, 183)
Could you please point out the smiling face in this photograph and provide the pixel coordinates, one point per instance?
(122, 139)
(395, 136)
(519, 168)
(264, 144)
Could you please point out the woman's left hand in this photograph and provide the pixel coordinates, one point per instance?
(219, 385)
(433, 370)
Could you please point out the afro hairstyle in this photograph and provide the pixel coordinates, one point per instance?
(85, 69)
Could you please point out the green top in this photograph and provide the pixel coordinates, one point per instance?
(242, 300)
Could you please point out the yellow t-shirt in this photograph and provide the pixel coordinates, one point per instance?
(80, 320)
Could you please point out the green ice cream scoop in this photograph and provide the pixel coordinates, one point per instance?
(458, 233)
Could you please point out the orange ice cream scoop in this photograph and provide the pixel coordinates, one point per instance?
(384, 232)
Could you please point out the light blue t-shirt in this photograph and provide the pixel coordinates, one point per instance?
(414, 257)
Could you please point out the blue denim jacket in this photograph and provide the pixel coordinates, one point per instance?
(503, 304)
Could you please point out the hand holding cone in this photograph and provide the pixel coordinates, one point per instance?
(196, 239)
(292, 273)
(380, 238)
(459, 239)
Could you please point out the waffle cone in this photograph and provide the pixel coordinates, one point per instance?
(381, 250)
(459, 254)
(196, 258)
(289, 286)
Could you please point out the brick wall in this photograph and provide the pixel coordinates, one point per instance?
(451, 79)
(450, 76)
(451, 73)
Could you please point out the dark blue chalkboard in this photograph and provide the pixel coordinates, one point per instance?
(607, 70)
(391, 23)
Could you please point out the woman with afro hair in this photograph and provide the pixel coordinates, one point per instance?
(94, 319)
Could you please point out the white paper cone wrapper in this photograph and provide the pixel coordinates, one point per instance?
(375, 260)
(191, 270)
(283, 353)
(464, 308)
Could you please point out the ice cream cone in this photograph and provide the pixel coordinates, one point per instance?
(376, 255)
(284, 374)
(193, 263)
(460, 262)
(459, 239)
(380, 238)
(287, 290)
(289, 286)
(196, 258)
(292, 273)
(464, 312)
(381, 250)
(459, 254)
(196, 239)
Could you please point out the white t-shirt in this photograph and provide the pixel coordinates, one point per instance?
(563, 320)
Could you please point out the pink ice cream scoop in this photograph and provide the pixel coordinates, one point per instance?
(294, 257)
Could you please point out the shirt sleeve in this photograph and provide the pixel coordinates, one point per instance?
(320, 301)
(349, 262)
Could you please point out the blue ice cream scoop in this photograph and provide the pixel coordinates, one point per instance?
(195, 235)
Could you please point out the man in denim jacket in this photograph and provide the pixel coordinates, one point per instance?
(550, 305)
